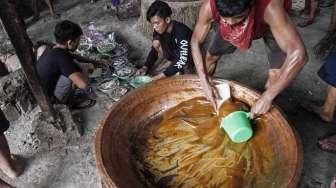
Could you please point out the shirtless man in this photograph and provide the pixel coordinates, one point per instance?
(240, 22)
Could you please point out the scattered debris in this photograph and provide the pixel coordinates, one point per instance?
(16, 99)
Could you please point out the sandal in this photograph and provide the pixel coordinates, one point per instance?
(88, 103)
(325, 142)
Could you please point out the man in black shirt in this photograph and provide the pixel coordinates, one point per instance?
(170, 39)
(59, 72)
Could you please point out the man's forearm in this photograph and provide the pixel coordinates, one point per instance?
(83, 59)
(290, 69)
(151, 58)
(198, 59)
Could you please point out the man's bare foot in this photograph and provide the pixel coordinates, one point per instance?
(4, 184)
(328, 143)
(316, 110)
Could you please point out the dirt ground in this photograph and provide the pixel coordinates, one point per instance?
(55, 160)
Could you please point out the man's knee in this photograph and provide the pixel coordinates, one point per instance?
(63, 89)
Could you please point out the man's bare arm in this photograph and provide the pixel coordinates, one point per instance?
(201, 31)
(79, 79)
(82, 59)
(289, 41)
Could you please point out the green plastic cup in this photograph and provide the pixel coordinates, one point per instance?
(238, 126)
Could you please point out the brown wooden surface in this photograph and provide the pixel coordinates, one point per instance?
(15, 29)
(183, 11)
(112, 145)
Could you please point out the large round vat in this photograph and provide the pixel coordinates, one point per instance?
(129, 115)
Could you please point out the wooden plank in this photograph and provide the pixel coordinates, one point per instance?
(15, 29)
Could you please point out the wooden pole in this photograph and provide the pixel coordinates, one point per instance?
(15, 29)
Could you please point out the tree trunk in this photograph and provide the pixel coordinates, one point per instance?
(15, 29)
(183, 11)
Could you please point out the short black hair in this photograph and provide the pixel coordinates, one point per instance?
(67, 30)
(229, 8)
(158, 8)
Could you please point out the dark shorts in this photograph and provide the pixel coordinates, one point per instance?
(327, 71)
(63, 90)
(4, 123)
(218, 46)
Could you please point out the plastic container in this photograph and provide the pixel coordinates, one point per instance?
(238, 126)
